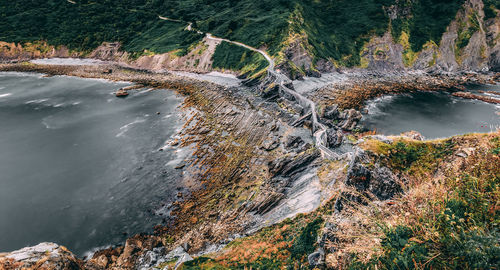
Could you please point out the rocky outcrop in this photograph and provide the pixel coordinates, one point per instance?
(470, 43)
(382, 53)
(42, 256)
(368, 180)
(334, 137)
(451, 55)
(126, 257)
(31, 50)
(350, 119)
(291, 164)
(297, 60)
(199, 59)
(284, 171)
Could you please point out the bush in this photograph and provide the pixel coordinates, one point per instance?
(303, 245)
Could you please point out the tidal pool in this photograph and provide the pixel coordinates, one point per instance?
(79, 166)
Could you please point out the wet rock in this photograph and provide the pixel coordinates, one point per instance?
(41, 256)
(334, 138)
(351, 118)
(178, 253)
(180, 166)
(121, 93)
(134, 248)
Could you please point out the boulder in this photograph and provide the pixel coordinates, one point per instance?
(331, 112)
(293, 142)
(178, 253)
(334, 137)
(316, 258)
(351, 118)
(414, 135)
(271, 91)
(368, 179)
(121, 93)
(41, 256)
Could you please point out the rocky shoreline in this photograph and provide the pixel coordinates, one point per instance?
(249, 156)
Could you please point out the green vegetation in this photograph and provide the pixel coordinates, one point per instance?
(490, 7)
(162, 37)
(428, 21)
(277, 247)
(466, 30)
(304, 243)
(449, 221)
(413, 156)
(230, 56)
(338, 29)
(86, 24)
(464, 231)
(335, 29)
(447, 217)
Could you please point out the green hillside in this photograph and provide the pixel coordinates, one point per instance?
(335, 29)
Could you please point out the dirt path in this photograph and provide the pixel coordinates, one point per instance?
(318, 129)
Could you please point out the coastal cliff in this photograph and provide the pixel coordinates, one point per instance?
(265, 194)
(396, 36)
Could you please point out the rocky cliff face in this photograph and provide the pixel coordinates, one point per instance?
(31, 50)
(470, 43)
(199, 59)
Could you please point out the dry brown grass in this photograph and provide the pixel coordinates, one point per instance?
(360, 227)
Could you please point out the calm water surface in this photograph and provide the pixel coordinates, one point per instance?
(79, 166)
(434, 114)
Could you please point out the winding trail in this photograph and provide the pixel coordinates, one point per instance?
(318, 129)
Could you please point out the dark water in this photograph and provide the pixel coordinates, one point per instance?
(79, 166)
(434, 114)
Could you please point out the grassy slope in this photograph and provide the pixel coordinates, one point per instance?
(449, 216)
(230, 56)
(85, 25)
(428, 21)
(336, 29)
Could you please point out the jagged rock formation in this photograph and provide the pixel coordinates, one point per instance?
(470, 43)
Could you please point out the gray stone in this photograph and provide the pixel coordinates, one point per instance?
(316, 258)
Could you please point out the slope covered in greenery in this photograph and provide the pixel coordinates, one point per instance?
(335, 29)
